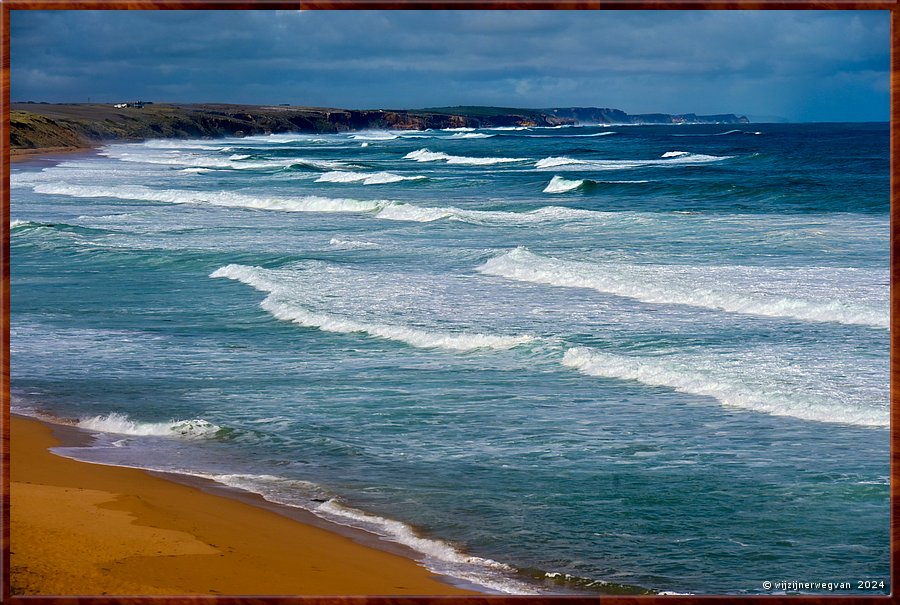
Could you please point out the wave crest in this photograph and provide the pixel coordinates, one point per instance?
(669, 158)
(121, 424)
(756, 390)
(560, 185)
(424, 155)
(309, 203)
(376, 178)
(278, 306)
(718, 288)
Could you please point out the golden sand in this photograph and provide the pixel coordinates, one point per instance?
(88, 529)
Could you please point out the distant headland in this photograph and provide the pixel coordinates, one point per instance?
(42, 126)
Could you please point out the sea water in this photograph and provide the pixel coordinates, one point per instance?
(547, 359)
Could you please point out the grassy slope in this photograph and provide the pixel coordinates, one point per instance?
(38, 125)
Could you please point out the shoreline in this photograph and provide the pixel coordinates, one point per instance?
(27, 156)
(80, 528)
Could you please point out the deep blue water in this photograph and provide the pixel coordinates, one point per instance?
(545, 358)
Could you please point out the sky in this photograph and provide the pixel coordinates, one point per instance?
(805, 66)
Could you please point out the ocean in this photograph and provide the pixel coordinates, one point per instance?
(595, 358)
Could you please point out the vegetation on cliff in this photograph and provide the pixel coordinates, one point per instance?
(42, 125)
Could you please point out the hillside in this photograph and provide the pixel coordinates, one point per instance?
(38, 126)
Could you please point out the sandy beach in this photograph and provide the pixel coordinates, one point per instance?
(87, 529)
(23, 155)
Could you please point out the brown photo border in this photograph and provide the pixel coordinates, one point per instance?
(7, 5)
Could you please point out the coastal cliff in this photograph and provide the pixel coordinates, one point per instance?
(35, 126)
(605, 115)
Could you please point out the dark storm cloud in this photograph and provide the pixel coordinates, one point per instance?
(806, 65)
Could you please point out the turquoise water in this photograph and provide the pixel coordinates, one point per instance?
(546, 359)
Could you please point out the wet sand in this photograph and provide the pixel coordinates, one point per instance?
(89, 529)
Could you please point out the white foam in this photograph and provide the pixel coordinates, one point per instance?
(121, 424)
(714, 134)
(570, 136)
(732, 289)
(437, 555)
(351, 244)
(280, 304)
(309, 203)
(440, 556)
(383, 209)
(375, 178)
(203, 157)
(17, 223)
(560, 185)
(774, 388)
(460, 129)
(553, 162)
(471, 135)
(427, 214)
(670, 158)
(424, 155)
(374, 136)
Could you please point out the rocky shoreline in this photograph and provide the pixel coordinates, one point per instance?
(40, 126)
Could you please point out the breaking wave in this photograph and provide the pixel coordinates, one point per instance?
(424, 155)
(16, 224)
(471, 135)
(279, 305)
(427, 214)
(733, 383)
(560, 185)
(716, 134)
(376, 178)
(351, 244)
(670, 158)
(309, 203)
(121, 424)
(570, 136)
(143, 155)
(382, 209)
(375, 136)
(731, 289)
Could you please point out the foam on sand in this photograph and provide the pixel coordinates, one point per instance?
(438, 556)
(798, 294)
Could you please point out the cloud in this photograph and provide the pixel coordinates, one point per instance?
(636, 60)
